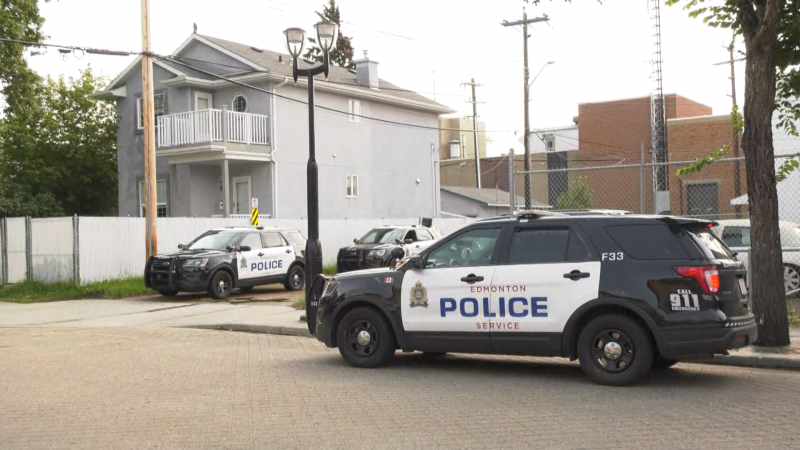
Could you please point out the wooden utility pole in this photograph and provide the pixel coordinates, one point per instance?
(474, 102)
(737, 178)
(526, 137)
(148, 118)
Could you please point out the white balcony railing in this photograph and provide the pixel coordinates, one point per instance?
(207, 125)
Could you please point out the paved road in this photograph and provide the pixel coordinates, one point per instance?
(165, 388)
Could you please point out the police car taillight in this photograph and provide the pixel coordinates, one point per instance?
(707, 277)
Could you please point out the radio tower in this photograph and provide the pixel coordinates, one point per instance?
(658, 129)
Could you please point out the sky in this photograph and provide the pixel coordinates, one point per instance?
(600, 51)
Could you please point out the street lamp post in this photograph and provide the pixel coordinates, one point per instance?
(295, 39)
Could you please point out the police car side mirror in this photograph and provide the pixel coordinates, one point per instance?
(398, 253)
(409, 241)
(244, 248)
(181, 246)
(355, 241)
(415, 262)
(229, 248)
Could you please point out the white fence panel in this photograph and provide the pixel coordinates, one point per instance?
(16, 249)
(111, 247)
(51, 249)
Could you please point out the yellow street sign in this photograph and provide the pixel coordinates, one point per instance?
(254, 217)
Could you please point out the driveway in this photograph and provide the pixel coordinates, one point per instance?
(265, 309)
(166, 388)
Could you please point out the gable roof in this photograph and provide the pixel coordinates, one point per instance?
(280, 64)
(258, 63)
(489, 196)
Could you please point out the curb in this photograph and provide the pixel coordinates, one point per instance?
(757, 361)
(263, 329)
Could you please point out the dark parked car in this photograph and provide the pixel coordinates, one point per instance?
(374, 249)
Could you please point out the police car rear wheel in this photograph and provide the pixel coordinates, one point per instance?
(221, 285)
(295, 279)
(614, 350)
(365, 338)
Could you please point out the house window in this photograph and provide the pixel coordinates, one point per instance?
(161, 198)
(355, 110)
(549, 143)
(240, 103)
(158, 109)
(352, 186)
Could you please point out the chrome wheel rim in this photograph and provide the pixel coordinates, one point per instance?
(791, 278)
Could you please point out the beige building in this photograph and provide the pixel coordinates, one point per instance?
(460, 144)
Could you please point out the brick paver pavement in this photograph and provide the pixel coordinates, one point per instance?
(136, 388)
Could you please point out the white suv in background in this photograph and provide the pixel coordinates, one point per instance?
(736, 233)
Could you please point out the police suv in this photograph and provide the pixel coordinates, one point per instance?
(225, 258)
(375, 249)
(623, 294)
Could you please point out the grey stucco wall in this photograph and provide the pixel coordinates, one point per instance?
(130, 141)
(388, 159)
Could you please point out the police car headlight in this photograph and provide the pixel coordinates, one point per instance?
(377, 253)
(195, 262)
(330, 286)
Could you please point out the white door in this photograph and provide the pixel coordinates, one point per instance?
(278, 254)
(249, 262)
(241, 195)
(445, 295)
(549, 274)
(202, 120)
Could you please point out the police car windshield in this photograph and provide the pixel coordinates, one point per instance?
(382, 236)
(214, 240)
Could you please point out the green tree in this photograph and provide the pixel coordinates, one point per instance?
(60, 150)
(771, 33)
(342, 54)
(578, 196)
(20, 20)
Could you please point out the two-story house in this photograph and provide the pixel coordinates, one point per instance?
(220, 144)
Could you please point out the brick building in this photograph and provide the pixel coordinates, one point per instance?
(709, 192)
(613, 133)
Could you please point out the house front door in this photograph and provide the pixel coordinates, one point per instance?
(241, 195)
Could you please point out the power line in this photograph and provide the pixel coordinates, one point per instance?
(239, 83)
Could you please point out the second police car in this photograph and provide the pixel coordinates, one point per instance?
(222, 259)
(622, 294)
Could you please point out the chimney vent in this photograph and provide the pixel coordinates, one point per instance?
(367, 72)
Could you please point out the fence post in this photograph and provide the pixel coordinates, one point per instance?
(512, 195)
(4, 251)
(28, 249)
(76, 260)
(641, 179)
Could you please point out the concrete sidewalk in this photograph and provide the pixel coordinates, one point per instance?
(243, 315)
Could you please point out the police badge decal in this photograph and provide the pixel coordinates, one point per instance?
(244, 263)
(419, 295)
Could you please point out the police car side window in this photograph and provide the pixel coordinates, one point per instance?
(470, 249)
(424, 235)
(252, 240)
(538, 245)
(272, 240)
(647, 241)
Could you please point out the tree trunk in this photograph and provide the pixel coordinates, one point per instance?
(766, 265)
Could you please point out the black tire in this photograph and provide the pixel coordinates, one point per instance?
(381, 343)
(246, 288)
(629, 359)
(168, 292)
(220, 285)
(295, 279)
(660, 363)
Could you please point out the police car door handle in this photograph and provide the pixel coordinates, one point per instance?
(471, 278)
(288, 251)
(576, 275)
(260, 254)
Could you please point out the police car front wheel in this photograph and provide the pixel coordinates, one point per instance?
(615, 350)
(221, 285)
(365, 338)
